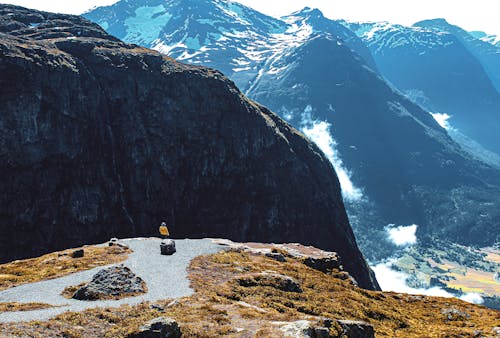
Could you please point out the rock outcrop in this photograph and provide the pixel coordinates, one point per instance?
(115, 282)
(99, 138)
(321, 329)
(160, 327)
(274, 280)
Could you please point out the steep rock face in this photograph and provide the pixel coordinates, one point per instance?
(101, 139)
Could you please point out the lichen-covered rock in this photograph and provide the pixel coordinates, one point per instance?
(356, 329)
(277, 281)
(100, 139)
(324, 264)
(160, 327)
(115, 282)
(455, 314)
(277, 256)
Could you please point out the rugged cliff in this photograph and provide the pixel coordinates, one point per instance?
(99, 138)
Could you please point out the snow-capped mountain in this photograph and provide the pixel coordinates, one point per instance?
(435, 69)
(489, 38)
(221, 34)
(486, 48)
(395, 163)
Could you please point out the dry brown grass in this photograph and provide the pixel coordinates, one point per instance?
(58, 264)
(221, 307)
(11, 307)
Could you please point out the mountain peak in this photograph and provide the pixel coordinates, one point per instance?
(308, 12)
(432, 23)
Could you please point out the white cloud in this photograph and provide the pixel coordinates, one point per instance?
(403, 235)
(442, 120)
(392, 280)
(472, 298)
(319, 133)
(396, 281)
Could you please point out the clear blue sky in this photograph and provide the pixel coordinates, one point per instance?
(470, 14)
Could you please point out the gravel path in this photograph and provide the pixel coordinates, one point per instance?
(165, 277)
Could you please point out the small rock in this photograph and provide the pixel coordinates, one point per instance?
(116, 242)
(322, 332)
(161, 327)
(117, 281)
(455, 314)
(157, 307)
(298, 329)
(355, 329)
(323, 264)
(276, 256)
(167, 247)
(277, 281)
(78, 253)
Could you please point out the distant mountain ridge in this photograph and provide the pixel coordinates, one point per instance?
(485, 48)
(437, 70)
(222, 34)
(316, 74)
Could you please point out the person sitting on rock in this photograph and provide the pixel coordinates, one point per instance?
(164, 230)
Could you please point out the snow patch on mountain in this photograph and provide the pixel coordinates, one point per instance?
(442, 120)
(489, 38)
(146, 25)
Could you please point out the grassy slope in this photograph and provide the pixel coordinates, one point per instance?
(58, 264)
(221, 306)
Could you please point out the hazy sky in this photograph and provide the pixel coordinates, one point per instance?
(470, 14)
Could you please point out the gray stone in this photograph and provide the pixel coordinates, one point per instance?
(78, 253)
(157, 307)
(356, 329)
(276, 256)
(167, 247)
(277, 281)
(303, 329)
(324, 264)
(455, 314)
(116, 242)
(322, 332)
(114, 282)
(298, 329)
(160, 327)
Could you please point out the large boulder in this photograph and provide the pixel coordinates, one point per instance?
(167, 247)
(356, 329)
(100, 139)
(160, 327)
(115, 282)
